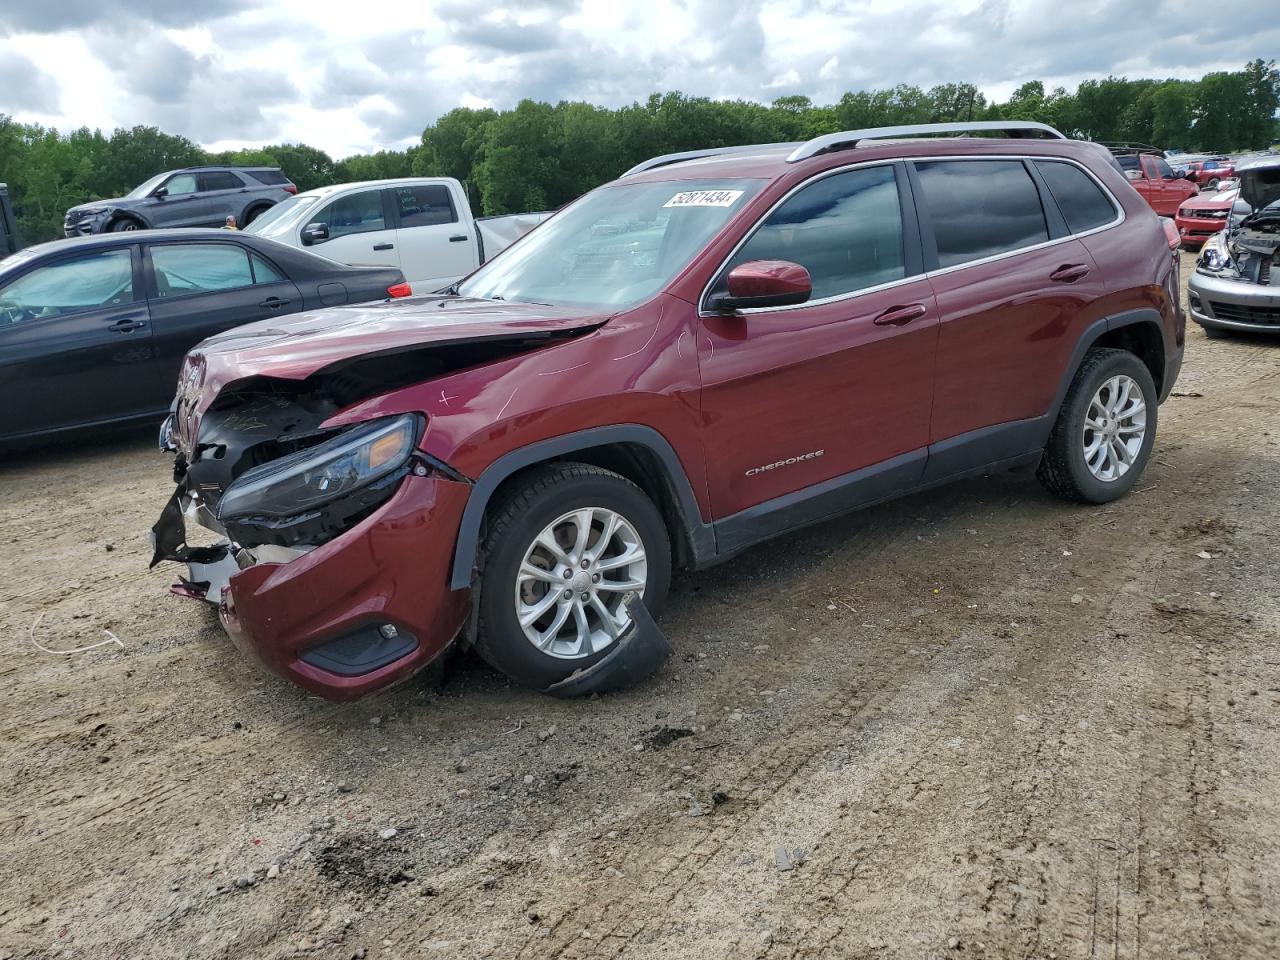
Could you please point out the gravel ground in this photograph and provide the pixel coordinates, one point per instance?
(973, 723)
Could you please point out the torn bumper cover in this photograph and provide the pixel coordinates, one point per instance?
(350, 616)
(637, 655)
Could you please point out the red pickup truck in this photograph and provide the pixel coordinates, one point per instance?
(1209, 173)
(1156, 181)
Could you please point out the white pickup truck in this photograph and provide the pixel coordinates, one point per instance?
(423, 225)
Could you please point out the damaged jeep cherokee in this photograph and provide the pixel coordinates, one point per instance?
(717, 348)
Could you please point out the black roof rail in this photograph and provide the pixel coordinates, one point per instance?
(669, 158)
(851, 138)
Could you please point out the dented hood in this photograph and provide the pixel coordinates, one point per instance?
(295, 347)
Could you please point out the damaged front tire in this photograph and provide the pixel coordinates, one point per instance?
(566, 548)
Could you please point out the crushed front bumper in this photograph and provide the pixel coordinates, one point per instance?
(365, 610)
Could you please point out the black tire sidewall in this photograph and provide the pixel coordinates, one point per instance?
(122, 225)
(1090, 488)
(503, 643)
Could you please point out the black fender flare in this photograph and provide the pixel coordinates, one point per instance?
(1091, 335)
(700, 534)
(118, 214)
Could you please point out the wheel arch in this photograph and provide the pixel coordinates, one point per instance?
(639, 453)
(118, 215)
(1137, 331)
(260, 205)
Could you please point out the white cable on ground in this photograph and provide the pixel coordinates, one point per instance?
(111, 638)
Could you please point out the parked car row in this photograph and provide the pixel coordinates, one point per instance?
(93, 330)
(717, 348)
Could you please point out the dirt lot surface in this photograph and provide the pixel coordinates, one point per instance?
(973, 723)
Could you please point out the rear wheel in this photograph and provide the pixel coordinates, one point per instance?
(563, 550)
(125, 224)
(1105, 430)
(1212, 184)
(253, 213)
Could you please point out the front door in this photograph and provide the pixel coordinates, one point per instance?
(75, 344)
(796, 396)
(360, 231)
(183, 204)
(199, 289)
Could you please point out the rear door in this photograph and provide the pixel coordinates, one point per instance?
(1015, 291)
(75, 343)
(223, 196)
(436, 247)
(199, 289)
(795, 396)
(361, 229)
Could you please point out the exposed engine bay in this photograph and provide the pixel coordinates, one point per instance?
(1248, 250)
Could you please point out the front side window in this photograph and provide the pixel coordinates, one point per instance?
(1083, 203)
(185, 269)
(846, 230)
(980, 208)
(72, 286)
(357, 213)
(615, 247)
(424, 206)
(1163, 169)
(182, 185)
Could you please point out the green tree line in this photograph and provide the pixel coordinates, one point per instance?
(538, 156)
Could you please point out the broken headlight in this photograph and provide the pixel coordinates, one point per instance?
(303, 481)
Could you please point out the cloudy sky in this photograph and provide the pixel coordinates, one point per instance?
(357, 75)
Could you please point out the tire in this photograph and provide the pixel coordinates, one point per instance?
(1063, 468)
(1212, 184)
(546, 496)
(252, 214)
(125, 224)
(1214, 333)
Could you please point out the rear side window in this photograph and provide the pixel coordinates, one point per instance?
(1083, 203)
(220, 180)
(270, 177)
(846, 230)
(1129, 163)
(184, 269)
(424, 206)
(981, 208)
(264, 272)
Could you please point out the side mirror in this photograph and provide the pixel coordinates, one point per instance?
(315, 233)
(160, 193)
(764, 283)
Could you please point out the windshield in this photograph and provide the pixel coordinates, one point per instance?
(137, 193)
(615, 247)
(282, 218)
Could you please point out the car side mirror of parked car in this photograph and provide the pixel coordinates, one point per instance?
(763, 283)
(315, 233)
(160, 193)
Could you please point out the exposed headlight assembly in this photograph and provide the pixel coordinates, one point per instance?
(1215, 259)
(363, 457)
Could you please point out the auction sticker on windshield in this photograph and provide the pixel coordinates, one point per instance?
(704, 198)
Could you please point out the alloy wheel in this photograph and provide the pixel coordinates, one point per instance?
(572, 580)
(1114, 428)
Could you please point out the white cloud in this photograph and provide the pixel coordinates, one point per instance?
(355, 77)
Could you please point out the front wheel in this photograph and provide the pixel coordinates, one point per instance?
(1105, 430)
(563, 550)
(1212, 184)
(125, 225)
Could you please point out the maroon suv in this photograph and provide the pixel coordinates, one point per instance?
(716, 348)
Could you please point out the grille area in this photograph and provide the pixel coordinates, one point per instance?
(1240, 313)
(1205, 214)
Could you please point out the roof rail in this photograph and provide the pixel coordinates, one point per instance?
(850, 138)
(669, 158)
(1129, 147)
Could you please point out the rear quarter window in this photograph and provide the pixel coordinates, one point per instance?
(980, 208)
(1084, 204)
(271, 178)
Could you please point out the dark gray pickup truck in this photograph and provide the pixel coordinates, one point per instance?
(193, 197)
